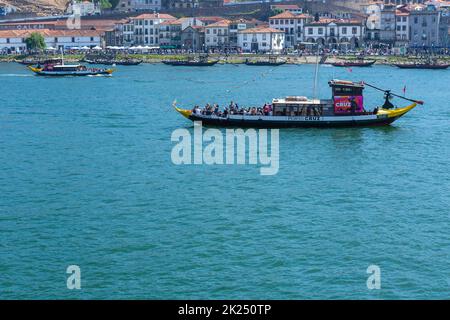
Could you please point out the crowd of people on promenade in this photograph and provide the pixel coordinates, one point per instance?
(232, 108)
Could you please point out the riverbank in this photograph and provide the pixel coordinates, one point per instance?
(235, 58)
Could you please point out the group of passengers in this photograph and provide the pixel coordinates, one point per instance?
(233, 108)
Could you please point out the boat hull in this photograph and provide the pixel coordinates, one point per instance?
(190, 64)
(301, 122)
(423, 66)
(42, 73)
(381, 118)
(353, 64)
(258, 64)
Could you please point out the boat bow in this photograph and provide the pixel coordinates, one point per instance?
(396, 113)
(185, 113)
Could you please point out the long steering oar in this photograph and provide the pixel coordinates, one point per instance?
(393, 94)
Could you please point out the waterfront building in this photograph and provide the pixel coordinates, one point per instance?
(292, 25)
(336, 33)
(193, 38)
(14, 40)
(238, 25)
(217, 35)
(146, 28)
(426, 27)
(138, 5)
(401, 26)
(122, 34)
(170, 33)
(387, 25)
(261, 39)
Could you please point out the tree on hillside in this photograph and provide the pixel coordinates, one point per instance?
(276, 11)
(35, 42)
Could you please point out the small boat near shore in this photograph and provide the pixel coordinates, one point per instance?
(107, 62)
(344, 109)
(354, 63)
(200, 61)
(40, 61)
(190, 63)
(421, 65)
(428, 62)
(273, 61)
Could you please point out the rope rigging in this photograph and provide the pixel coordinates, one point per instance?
(388, 95)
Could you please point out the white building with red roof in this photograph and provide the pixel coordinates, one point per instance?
(217, 35)
(292, 25)
(334, 33)
(146, 28)
(14, 40)
(261, 39)
(401, 24)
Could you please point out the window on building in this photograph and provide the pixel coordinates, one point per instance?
(354, 30)
(344, 30)
(310, 30)
(320, 30)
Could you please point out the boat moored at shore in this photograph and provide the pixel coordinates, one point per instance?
(200, 61)
(354, 63)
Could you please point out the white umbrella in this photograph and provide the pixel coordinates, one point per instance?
(97, 48)
(51, 49)
(84, 48)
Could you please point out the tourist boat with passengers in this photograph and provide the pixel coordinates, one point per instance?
(344, 109)
(61, 70)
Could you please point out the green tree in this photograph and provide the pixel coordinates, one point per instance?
(35, 42)
(276, 11)
(105, 4)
